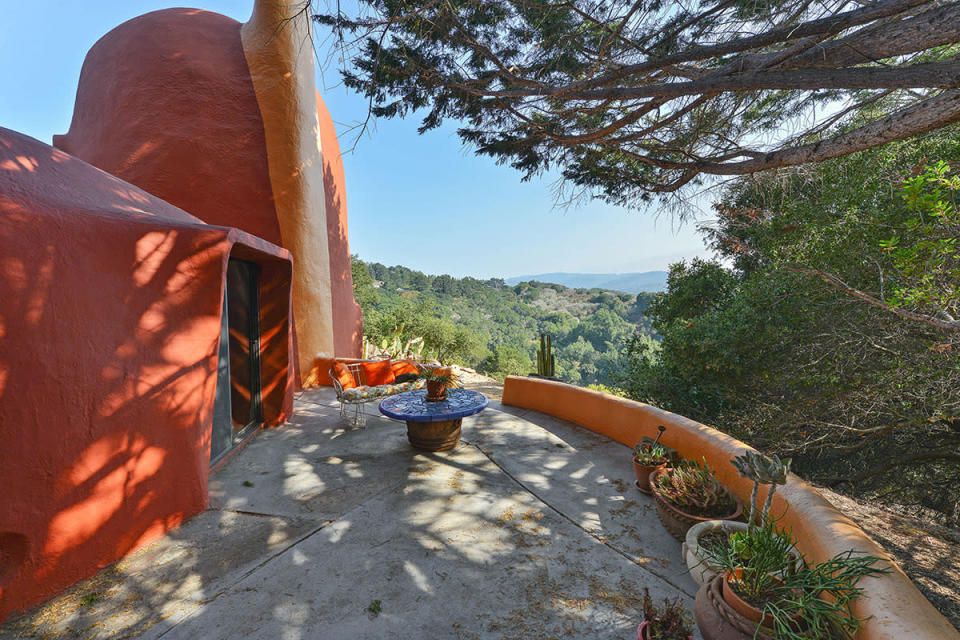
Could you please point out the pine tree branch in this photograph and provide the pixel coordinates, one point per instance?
(932, 321)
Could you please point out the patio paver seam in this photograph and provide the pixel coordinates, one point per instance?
(197, 606)
(566, 517)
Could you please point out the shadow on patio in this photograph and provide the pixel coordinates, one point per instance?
(530, 528)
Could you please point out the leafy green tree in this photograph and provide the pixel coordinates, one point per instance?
(861, 397)
(558, 325)
(445, 284)
(363, 290)
(604, 329)
(507, 361)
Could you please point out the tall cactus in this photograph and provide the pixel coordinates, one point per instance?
(545, 356)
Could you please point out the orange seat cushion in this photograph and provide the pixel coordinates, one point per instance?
(404, 366)
(343, 376)
(378, 373)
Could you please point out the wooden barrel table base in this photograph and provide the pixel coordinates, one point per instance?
(434, 436)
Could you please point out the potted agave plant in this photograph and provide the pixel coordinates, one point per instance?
(667, 622)
(647, 458)
(690, 494)
(438, 380)
(762, 470)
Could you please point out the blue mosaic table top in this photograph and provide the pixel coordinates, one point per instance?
(413, 407)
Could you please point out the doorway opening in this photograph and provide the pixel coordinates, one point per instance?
(237, 407)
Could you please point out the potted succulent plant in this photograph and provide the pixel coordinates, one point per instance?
(702, 540)
(689, 494)
(647, 458)
(765, 470)
(810, 602)
(763, 578)
(667, 622)
(438, 380)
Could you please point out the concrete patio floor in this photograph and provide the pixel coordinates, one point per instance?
(531, 528)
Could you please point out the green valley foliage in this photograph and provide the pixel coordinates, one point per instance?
(829, 331)
(493, 327)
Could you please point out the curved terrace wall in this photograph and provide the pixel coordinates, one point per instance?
(894, 606)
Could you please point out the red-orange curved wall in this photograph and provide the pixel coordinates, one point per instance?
(166, 101)
(347, 316)
(894, 606)
(109, 326)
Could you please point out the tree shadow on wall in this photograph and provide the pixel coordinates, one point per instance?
(108, 339)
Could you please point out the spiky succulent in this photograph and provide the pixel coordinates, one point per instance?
(444, 375)
(650, 455)
(693, 486)
(761, 469)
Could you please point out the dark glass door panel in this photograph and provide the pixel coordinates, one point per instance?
(222, 437)
(237, 406)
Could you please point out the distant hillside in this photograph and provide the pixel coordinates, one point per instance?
(647, 281)
(495, 328)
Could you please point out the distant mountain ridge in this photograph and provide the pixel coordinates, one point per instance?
(649, 281)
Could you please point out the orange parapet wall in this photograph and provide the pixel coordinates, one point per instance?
(109, 330)
(894, 606)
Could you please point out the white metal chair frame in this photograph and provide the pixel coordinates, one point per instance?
(359, 410)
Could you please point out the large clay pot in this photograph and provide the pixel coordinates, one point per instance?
(436, 391)
(700, 569)
(717, 620)
(642, 631)
(743, 607)
(677, 522)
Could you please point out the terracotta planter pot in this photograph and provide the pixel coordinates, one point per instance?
(677, 522)
(642, 631)
(700, 570)
(436, 391)
(643, 471)
(743, 607)
(717, 620)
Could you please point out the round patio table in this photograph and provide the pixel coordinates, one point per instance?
(433, 426)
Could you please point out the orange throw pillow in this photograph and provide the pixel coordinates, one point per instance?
(343, 376)
(404, 366)
(378, 373)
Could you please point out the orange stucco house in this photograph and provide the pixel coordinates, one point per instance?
(170, 271)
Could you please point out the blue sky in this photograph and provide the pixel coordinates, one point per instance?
(422, 201)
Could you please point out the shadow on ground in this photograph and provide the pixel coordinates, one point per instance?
(530, 528)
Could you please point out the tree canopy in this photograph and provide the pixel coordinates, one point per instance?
(630, 98)
(863, 397)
